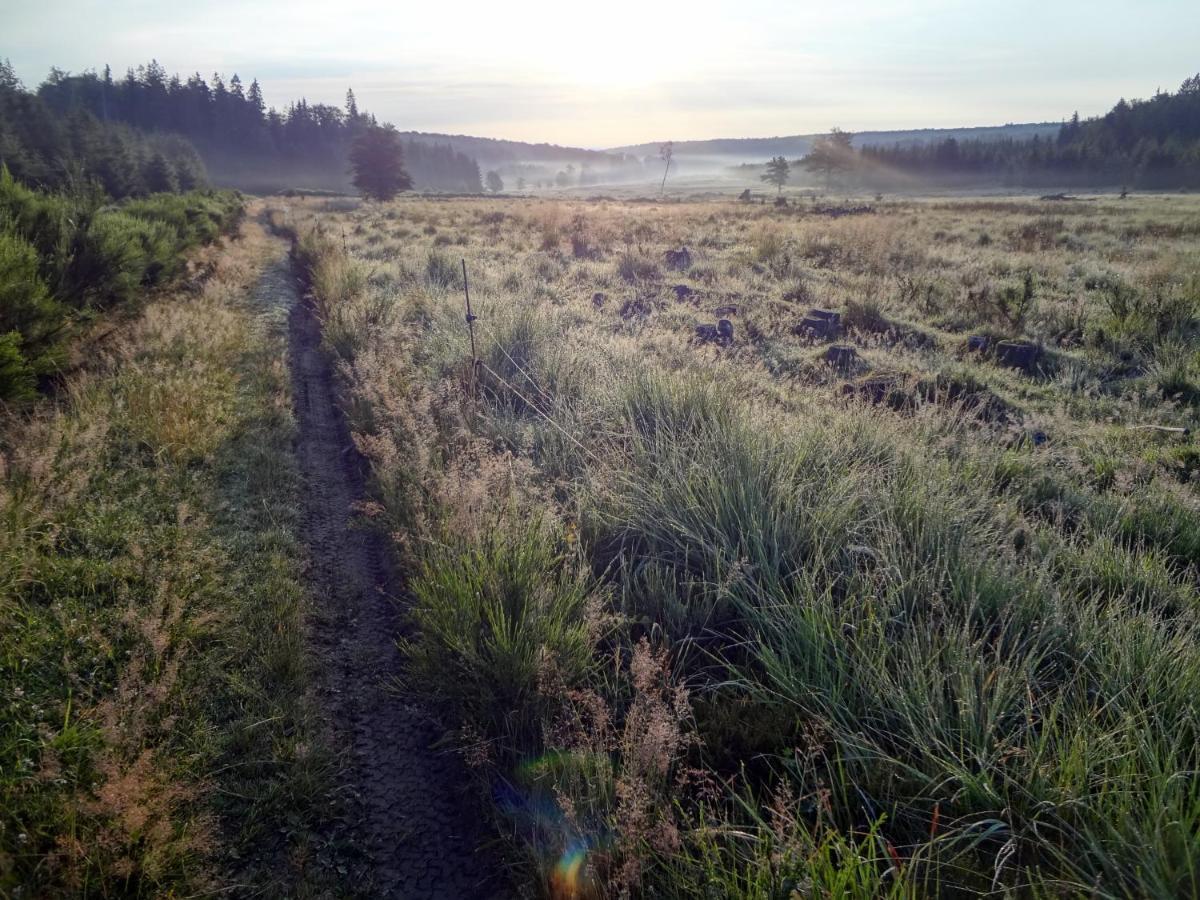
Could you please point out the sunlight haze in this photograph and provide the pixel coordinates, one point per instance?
(626, 72)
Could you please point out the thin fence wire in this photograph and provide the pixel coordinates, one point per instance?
(516, 365)
(471, 321)
(570, 437)
(616, 436)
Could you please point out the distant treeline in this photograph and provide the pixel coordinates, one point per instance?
(1151, 144)
(68, 252)
(43, 148)
(244, 142)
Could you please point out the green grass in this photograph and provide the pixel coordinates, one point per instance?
(944, 645)
(155, 733)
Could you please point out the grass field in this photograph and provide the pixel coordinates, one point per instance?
(156, 737)
(730, 620)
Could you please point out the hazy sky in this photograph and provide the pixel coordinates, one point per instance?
(618, 71)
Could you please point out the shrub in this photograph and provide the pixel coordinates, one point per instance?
(633, 267)
(64, 254)
(443, 271)
(25, 304)
(17, 379)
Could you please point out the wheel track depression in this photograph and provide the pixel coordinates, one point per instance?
(407, 807)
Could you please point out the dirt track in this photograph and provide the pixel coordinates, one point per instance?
(408, 806)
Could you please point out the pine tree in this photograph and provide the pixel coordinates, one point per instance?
(8, 76)
(158, 175)
(778, 172)
(351, 105)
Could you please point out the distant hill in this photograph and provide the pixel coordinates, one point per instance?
(496, 152)
(796, 145)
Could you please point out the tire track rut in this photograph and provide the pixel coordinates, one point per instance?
(408, 806)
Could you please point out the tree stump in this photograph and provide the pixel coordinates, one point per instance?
(721, 333)
(1021, 355)
(678, 259)
(979, 343)
(820, 323)
(841, 356)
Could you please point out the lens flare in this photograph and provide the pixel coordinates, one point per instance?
(566, 879)
(570, 848)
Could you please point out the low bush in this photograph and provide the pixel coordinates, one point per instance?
(29, 316)
(64, 257)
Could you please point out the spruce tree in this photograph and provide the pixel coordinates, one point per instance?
(158, 175)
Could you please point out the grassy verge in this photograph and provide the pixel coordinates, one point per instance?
(704, 628)
(154, 733)
(66, 258)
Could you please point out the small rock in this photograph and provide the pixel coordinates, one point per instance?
(599, 299)
(725, 311)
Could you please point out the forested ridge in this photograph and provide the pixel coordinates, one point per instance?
(42, 147)
(245, 143)
(92, 214)
(1150, 144)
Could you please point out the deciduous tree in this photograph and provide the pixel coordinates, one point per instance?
(831, 155)
(377, 162)
(666, 153)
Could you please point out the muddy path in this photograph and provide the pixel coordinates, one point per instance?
(408, 803)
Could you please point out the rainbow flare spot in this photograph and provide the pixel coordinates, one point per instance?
(566, 881)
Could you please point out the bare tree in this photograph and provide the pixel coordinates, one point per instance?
(666, 153)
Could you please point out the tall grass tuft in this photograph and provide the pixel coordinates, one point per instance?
(494, 613)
